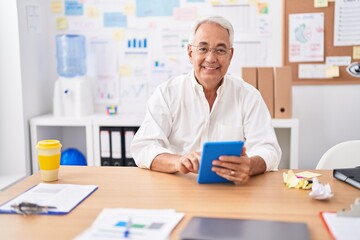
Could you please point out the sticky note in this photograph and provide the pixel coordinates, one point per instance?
(92, 12)
(253, 2)
(356, 52)
(125, 71)
(307, 174)
(119, 35)
(291, 181)
(129, 9)
(320, 3)
(332, 71)
(56, 7)
(61, 23)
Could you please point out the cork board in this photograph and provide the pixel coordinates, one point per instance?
(307, 6)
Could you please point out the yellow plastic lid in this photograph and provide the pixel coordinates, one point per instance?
(48, 144)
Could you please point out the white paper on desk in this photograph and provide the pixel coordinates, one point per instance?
(145, 224)
(342, 227)
(62, 196)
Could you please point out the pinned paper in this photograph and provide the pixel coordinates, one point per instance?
(320, 191)
(292, 181)
(338, 60)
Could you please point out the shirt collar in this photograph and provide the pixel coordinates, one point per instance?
(196, 85)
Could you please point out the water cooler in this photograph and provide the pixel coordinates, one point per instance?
(72, 93)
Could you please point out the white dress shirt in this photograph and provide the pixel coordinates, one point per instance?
(178, 120)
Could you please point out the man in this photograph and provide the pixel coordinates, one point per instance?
(207, 105)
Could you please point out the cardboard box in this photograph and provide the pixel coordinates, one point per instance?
(266, 87)
(249, 74)
(282, 92)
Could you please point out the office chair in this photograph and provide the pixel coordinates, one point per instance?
(342, 155)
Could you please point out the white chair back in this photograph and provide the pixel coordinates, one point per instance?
(342, 155)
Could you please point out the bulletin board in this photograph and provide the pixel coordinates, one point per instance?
(307, 6)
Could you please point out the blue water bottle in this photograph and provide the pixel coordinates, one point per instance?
(70, 54)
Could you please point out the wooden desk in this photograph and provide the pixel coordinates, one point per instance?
(263, 197)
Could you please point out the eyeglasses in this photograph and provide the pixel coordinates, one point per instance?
(219, 51)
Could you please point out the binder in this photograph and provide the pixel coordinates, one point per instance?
(115, 145)
(105, 147)
(266, 87)
(116, 153)
(249, 74)
(282, 92)
(129, 133)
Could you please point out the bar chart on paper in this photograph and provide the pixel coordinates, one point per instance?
(137, 43)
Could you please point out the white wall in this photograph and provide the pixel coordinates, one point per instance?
(327, 115)
(12, 129)
(37, 81)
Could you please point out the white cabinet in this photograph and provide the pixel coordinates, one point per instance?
(84, 134)
(72, 132)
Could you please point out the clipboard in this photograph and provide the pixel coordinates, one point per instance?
(63, 197)
(341, 227)
(212, 151)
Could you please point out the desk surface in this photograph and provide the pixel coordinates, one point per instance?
(263, 197)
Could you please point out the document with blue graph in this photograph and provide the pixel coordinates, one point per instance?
(127, 223)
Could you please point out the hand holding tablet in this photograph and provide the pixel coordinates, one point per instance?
(212, 151)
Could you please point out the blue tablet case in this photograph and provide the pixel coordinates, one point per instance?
(212, 151)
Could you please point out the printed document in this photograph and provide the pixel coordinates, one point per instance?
(122, 223)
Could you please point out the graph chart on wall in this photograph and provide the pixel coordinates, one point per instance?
(133, 97)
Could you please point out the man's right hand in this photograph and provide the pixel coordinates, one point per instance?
(188, 163)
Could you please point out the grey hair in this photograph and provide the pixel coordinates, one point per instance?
(223, 22)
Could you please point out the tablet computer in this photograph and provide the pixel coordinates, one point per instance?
(212, 151)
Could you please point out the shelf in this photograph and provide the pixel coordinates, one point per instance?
(71, 131)
(286, 123)
(68, 130)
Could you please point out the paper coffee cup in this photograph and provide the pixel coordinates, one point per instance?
(49, 153)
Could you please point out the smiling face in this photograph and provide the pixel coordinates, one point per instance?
(210, 68)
